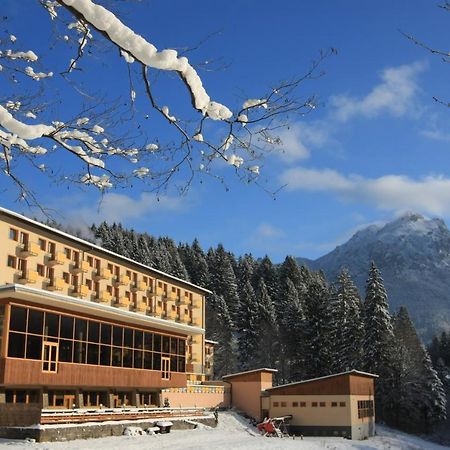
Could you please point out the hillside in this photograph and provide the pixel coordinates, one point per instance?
(413, 254)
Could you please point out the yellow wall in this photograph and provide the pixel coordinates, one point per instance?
(127, 286)
(309, 415)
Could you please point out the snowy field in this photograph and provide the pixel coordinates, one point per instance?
(232, 433)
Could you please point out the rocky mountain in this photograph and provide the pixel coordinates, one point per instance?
(413, 254)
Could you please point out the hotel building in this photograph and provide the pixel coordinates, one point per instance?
(81, 326)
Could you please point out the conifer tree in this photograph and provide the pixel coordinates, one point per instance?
(194, 260)
(378, 340)
(225, 352)
(267, 331)
(347, 326)
(266, 271)
(247, 322)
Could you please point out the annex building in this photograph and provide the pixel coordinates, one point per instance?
(81, 326)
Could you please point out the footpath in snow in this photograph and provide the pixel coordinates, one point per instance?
(232, 432)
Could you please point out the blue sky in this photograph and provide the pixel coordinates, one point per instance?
(377, 145)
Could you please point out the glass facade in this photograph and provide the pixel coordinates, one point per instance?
(83, 341)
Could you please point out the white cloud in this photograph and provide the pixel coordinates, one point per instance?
(297, 139)
(394, 95)
(119, 207)
(265, 230)
(390, 192)
(436, 135)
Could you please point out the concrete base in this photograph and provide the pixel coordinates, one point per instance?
(51, 433)
(321, 431)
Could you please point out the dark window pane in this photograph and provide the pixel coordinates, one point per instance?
(156, 361)
(173, 363)
(181, 347)
(21, 396)
(80, 329)
(67, 327)
(34, 347)
(165, 344)
(16, 345)
(137, 359)
(148, 360)
(128, 337)
(65, 350)
(35, 321)
(138, 339)
(148, 341)
(18, 320)
(105, 355)
(173, 345)
(51, 324)
(117, 336)
(79, 353)
(116, 356)
(106, 333)
(181, 365)
(94, 331)
(92, 354)
(127, 357)
(156, 342)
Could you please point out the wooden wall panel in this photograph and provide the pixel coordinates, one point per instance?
(28, 373)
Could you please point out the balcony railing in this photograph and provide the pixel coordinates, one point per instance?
(80, 291)
(104, 297)
(122, 280)
(28, 276)
(56, 284)
(80, 266)
(57, 258)
(102, 274)
(29, 249)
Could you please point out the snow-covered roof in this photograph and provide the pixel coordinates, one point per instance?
(209, 341)
(348, 372)
(262, 369)
(102, 311)
(35, 223)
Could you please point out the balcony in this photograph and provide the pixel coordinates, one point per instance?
(180, 301)
(80, 291)
(196, 322)
(140, 307)
(160, 291)
(122, 280)
(196, 303)
(172, 315)
(57, 284)
(102, 274)
(103, 297)
(57, 258)
(156, 312)
(173, 295)
(29, 249)
(139, 286)
(80, 266)
(28, 276)
(122, 302)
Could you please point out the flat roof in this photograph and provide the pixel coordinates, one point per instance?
(209, 341)
(46, 298)
(263, 369)
(35, 223)
(349, 372)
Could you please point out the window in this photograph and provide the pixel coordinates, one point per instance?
(68, 252)
(314, 404)
(40, 268)
(322, 404)
(276, 404)
(12, 261)
(58, 338)
(22, 265)
(42, 244)
(13, 234)
(90, 261)
(24, 238)
(283, 404)
(302, 404)
(365, 408)
(333, 404)
(342, 404)
(51, 246)
(66, 277)
(295, 404)
(89, 284)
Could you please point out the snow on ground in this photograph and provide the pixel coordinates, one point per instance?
(235, 433)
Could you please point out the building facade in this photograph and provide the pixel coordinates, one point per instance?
(81, 326)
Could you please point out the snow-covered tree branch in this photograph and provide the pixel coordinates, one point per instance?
(104, 147)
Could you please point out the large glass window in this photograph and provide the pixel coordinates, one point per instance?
(81, 341)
